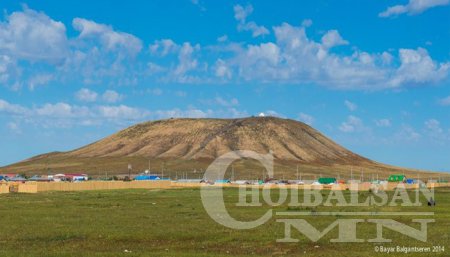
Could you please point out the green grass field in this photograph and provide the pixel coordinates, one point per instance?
(174, 223)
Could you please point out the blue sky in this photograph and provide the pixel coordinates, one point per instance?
(372, 75)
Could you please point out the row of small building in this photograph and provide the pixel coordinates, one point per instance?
(77, 177)
(45, 178)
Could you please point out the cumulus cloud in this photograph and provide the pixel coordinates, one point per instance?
(434, 130)
(111, 96)
(101, 55)
(155, 91)
(86, 95)
(39, 79)
(333, 38)
(352, 124)
(222, 69)
(163, 47)
(306, 118)
(445, 101)
(9, 108)
(110, 39)
(223, 102)
(383, 123)
(240, 14)
(351, 106)
(14, 127)
(295, 58)
(9, 71)
(122, 112)
(417, 67)
(35, 49)
(31, 35)
(182, 59)
(61, 110)
(63, 114)
(408, 134)
(222, 38)
(413, 7)
(186, 60)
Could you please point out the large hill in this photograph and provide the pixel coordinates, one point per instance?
(178, 147)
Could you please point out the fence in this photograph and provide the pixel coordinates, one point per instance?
(35, 187)
(4, 188)
(101, 185)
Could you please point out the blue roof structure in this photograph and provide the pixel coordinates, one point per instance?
(223, 181)
(147, 177)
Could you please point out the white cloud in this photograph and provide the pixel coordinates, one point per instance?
(352, 124)
(186, 62)
(32, 35)
(222, 69)
(9, 108)
(122, 112)
(306, 118)
(383, 123)
(61, 110)
(182, 59)
(163, 47)
(220, 101)
(8, 69)
(39, 79)
(307, 23)
(14, 127)
(241, 14)
(351, 106)
(198, 4)
(295, 58)
(86, 95)
(434, 130)
(111, 96)
(433, 125)
(110, 39)
(35, 49)
(445, 101)
(222, 38)
(178, 113)
(417, 67)
(154, 68)
(408, 134)
(333, 38)
(155, 91)
(413, 7)
(102, 55)
(66, 115)
(223, 102)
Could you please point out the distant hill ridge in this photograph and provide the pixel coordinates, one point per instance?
(191, 144)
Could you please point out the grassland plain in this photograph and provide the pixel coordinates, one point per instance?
(174, 223)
